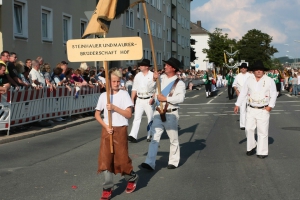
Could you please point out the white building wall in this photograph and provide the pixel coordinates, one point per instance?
(201, 43)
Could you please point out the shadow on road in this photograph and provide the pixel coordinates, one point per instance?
(270, 140)
(186, 150)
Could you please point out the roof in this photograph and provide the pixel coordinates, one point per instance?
(196, 29)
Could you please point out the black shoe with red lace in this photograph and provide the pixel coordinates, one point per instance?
(106, 194)
(131, 185)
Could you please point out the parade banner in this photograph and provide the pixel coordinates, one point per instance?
(105, 49)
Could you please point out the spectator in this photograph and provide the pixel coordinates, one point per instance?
(20, 70)
(28, 64)
(86, 75)
(295, 83)
(12, 71)
(5, 58)
(129, 83)
(64, 67)
(40, 60)
(79, 81)
(69, 78)
(57, 72)
(4, 84)
(46, 72)
(37, 79)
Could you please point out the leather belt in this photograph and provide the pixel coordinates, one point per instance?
(171, 110)
(144, 97)
(256, 107)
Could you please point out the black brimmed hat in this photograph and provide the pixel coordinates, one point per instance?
(145, 62)
(258, 65)
(243, 65)
(174, 63)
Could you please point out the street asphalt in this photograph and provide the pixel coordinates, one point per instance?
(62, 164)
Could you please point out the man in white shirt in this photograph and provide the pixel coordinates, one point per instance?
(238, 84)
(260, 92)
(142, 90)
(172, 93)
(37, 79)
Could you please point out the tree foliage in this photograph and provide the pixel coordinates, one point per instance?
(253, 46)
(256, 45)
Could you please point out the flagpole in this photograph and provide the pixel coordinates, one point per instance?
(152, 50)
(108, 91)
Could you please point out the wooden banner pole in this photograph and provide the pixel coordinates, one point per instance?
(108, 91)
(152, 50)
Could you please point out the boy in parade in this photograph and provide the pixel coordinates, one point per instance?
(118, 161)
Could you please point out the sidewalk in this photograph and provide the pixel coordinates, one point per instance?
(34, 130)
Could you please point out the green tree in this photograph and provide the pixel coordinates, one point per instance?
(256, 45)
(217, 43)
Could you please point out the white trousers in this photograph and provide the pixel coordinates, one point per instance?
(158, 127)
(219, 83)
(141, 105)
(257, 119)
(243, 113)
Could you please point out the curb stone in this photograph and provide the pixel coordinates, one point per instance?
(53, 128)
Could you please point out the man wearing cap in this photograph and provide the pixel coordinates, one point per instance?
(172, 93)
(260, 92)
(238, 84)
(142, 90)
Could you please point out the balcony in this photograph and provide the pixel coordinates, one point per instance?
(174, 24)
(174, 46)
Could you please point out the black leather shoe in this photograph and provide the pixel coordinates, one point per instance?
(132, 139)
(148, 139)
(252, 152)
(262, 156)
(243, 128)
(146, 166)
(171, 167)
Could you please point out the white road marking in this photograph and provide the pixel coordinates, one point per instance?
(278, 110)
(184, 115)
(195, 96)
(210, 101)
(193, 112)
(201, 115)
(211, 112)
(275, 113)
(220, 114)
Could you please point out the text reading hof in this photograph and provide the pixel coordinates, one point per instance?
(105, 49)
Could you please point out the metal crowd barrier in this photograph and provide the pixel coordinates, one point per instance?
(27, 106)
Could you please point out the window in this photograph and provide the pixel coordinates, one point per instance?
(138, 10)
(67, 28)
(179, 39)
(146, 54)
(168, 10)
(145, 26)
(152, 2)
(158, 58)
(159, 31)
(179, 18)
(138, 33)
(20, 21)
(47, 24)
(158, 5)
(83, 25)
(153, 27)
(168, 35)
(164, 22)
(129, 19)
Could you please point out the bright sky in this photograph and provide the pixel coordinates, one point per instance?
(278, 18)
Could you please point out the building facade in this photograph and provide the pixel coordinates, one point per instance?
(200, 35)
(33, 28)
